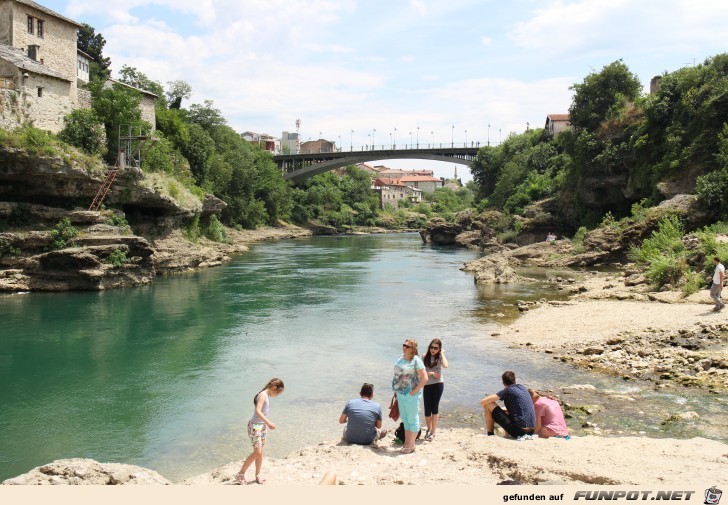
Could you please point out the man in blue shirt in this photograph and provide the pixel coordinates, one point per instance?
(363, 418)
(519, 417)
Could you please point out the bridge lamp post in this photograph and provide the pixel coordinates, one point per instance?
(499, 136)
(321, 144)
(394, 139)
(371, 147)
(466, 138)
(339, 143)
(410, 140)
(488, 133)
(373, 138)
(351, 141)
(418, 137)
(452, 136)
(391, 143)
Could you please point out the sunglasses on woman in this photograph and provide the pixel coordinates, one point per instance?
(407, 346)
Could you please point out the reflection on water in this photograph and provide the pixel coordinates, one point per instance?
(163, 376)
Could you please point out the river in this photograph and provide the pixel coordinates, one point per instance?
(163, 376)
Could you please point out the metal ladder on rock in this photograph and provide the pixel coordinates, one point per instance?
(104, 189)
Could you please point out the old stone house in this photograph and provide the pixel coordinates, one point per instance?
(42, 73)
(38, 59)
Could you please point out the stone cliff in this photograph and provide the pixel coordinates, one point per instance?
(113, 248)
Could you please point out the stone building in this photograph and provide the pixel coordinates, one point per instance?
(38, 59)
(392, 192)
(42, 73)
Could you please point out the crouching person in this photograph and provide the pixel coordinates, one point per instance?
(363, 418)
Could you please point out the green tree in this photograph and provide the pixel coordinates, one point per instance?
(206, 115)
(198, 151)
(84, 130)
(134, 77)
(602, 95)
(93, 43)
(116, 107)
(176, 92)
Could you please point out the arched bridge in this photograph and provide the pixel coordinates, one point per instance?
(299, 167)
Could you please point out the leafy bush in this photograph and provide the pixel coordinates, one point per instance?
(193, 231)
(117, 258)
(117, 220)
(693, 282)
(215, 231)
(84, 130)
(62, 235)
(6, 249)
(666, 269)
(666, 240)
(578, 240)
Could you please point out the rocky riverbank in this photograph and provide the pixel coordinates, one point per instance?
(457, 456)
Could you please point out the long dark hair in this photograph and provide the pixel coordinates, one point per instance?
(428, 358)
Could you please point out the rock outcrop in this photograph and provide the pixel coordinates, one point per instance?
(77, 471)
(36, 193)
(466, 231)
(63, 182)
(88, 266)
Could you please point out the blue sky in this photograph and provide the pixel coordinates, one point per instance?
(342, 65)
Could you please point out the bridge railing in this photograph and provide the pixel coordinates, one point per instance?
(393, 147)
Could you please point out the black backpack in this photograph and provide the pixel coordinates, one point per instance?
(399, 434)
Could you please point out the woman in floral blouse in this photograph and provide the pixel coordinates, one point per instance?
(409, 379)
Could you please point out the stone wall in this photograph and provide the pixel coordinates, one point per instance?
(55, 103)
(83, 99)
(147, 109)
(10, 111)
(6, 9)
(57, 46)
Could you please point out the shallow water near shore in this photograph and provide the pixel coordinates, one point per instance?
(163, 376)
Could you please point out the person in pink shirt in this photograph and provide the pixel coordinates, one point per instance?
(550, 420)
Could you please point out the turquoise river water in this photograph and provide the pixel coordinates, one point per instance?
(163, 376)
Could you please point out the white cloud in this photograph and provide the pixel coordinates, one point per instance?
(486, 41)
(569, 27)
(419, 6)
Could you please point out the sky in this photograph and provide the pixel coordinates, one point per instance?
(397, 71)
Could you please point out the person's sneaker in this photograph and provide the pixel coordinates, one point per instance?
(382, 434)
(716, 309)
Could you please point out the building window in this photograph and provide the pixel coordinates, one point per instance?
(30, 24)
(40, 92)
(40, 28)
